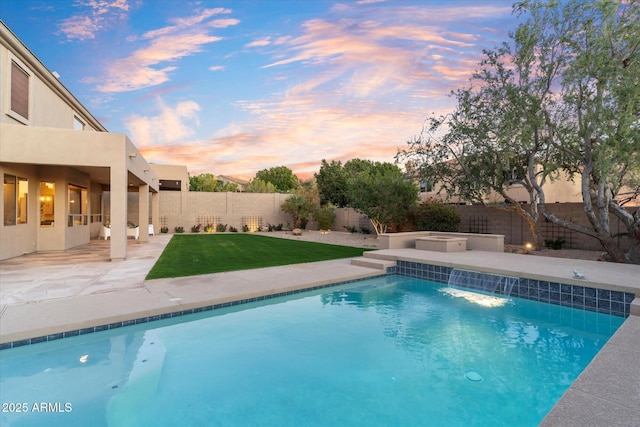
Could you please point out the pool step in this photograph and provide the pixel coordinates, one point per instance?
(379, 264)
(379, 256)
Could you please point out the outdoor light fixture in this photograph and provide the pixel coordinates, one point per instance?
(133, 155)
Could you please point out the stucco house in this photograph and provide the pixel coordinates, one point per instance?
(57, 161)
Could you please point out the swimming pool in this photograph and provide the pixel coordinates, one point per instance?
(392, 350)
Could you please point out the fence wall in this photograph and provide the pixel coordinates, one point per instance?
(186, 209)
(480, 219)
(260, 209)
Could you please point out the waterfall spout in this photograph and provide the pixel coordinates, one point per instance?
(485, 282)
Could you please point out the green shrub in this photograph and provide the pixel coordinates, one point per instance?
(164, 230)
(179, 229)
(221, 228)
(324, 216)
(435, 216)
(351, 228)
(196, 228)
(233, 229)
(245, 228)
(556, 244)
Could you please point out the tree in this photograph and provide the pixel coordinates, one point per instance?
(227, 187)
(381, 192)
(302, 204)
(299, 208)
(564, 95)
(281, 177)
(208, 182)
(203, 182)
(435, 216)
(325, 215)
(597, 124)
(332, 183)
(490, 140)
(259, 186)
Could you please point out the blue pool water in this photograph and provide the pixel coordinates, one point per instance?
(388, 351)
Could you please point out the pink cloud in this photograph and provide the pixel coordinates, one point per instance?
(361, 88)
(265, 41)
(170, 125)
(143, 67)
(99, 16)
(224, 23)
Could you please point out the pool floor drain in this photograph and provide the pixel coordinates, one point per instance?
(473, 376)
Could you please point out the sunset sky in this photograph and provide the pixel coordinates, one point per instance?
(233, 87)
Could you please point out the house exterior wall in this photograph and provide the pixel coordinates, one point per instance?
(47, 104)
(173, 172)
(44, 144)
(558, 190)
(20, 238)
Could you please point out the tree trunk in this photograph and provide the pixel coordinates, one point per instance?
(378, 227)
(632, 223)
(530, 217)
(603, 235)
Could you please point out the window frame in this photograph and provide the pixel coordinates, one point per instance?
(9, 85)
(78, 121)
(17, 215)
(77, 215)
(10, 200)
(47, 204)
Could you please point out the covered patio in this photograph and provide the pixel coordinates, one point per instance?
(68, 173)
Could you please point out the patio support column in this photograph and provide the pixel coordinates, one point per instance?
(155, 211)
(118, 212)
(143, 212)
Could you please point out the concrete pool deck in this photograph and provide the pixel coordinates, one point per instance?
(49, 293)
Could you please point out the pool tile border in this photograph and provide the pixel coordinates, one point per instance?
(591, 299)
(603, 301)
(147, 319)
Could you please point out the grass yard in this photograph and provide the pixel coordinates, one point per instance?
(189, 255)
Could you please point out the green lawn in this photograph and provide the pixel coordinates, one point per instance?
(189, 255)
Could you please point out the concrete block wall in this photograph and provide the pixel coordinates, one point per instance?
(516, 231)
(186, 208)
(189, 209)
(347, 217)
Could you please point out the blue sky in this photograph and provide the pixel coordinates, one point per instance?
(233, 87)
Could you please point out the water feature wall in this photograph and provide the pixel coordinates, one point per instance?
(485, 282)
(581, 297)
